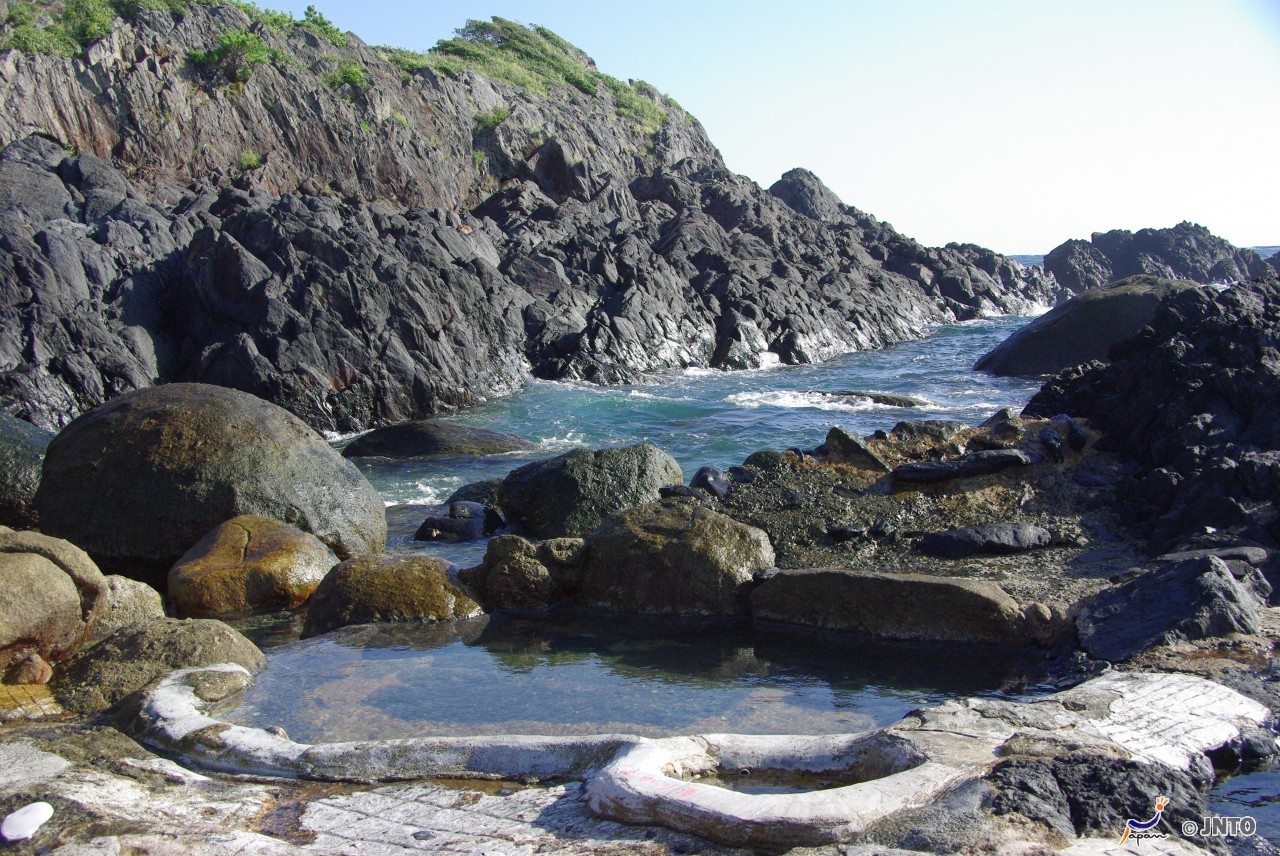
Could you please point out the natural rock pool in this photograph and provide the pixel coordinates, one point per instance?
(578, 673)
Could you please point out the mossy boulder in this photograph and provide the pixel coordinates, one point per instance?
(424, 437)
(568, 496)
(386, 588)
(672, 557)
(139, 480)
(100, 677)
(22, 447)
(248, 563)
(518, 574)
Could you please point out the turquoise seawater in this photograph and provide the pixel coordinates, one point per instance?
(715, 418)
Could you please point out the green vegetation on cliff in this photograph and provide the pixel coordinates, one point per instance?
(534, 59)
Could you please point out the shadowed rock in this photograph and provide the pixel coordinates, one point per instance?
(973, 464)
(22, 447)
(423, 438)
(986, 538)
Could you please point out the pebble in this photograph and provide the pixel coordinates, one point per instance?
(24, 822)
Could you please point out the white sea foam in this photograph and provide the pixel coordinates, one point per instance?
(798, 400)
(335, 437)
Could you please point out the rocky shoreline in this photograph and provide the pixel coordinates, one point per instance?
(1021, 532)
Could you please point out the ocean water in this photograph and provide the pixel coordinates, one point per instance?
(704, 417)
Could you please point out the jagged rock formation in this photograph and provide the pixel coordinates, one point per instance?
(1185, 251)
(363, 244)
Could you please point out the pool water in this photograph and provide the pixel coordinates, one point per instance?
(574, 672)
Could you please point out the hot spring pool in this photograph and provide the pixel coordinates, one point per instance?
(577, 673)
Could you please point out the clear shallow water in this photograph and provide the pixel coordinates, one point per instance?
(706, 417)
(581, 673)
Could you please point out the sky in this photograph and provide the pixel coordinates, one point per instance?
(1014, 124)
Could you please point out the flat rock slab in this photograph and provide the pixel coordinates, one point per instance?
(973, 464)
(27, 701)
(901, 606)
(986, 538)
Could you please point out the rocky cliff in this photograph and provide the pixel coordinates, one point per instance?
(214, 193)
(1185, 251)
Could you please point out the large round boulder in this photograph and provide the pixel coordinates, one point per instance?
(568, 496)
(22, 448)
(100, 677)
(124, 603)
(672, 558)
(427, 437)
(386, 588)
(248, 563)
(1082, 329)
(140, 479)
(49, 596)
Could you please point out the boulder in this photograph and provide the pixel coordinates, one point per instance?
(484, 492)
(50, 593)
(843, 447)
(427, 437)
(903, 606)
(139, 480)
(985, 538)
(884, 398)
(1082, 329)
(981, 463)
(1188, 599)
(22, 447)
(461, 521)
(386, 588)
(712, 482)
(672, 558)
(248, 563)
(571, 494)
(100, 677)
(517, 574)
(125, 603)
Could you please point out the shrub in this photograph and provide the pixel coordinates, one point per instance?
(349, 73)
(409, 62)
(486, 122)
(316, 23)
(277, 22)
(399, 118)
(478, 160)
(236, 54)
(249, 159)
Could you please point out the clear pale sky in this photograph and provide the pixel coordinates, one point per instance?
(1014, 124)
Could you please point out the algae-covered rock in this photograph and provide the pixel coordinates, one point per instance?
(512, 576)
(386, 588)
(139, 480)
(100, 677)
(570, 495)
(248, 563)
(672, 558)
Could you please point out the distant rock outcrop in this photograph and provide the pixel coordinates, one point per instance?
(1185, 251)
(365, 241)
(1082, 329)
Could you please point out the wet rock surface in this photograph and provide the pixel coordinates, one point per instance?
(138, 481)
(248, 563)
(22, 448)
(421, 438)
(386, 588)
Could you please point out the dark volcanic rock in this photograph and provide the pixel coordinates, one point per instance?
(985, 538)
(22, 448)
(1193, 402)
(138, 481)
(463, 521)
(422, 437)
(1082, 329)
(389, 262)
(1190, 599)
(571, 494)
(973, 464)
(711, 481)
(1185, 251)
